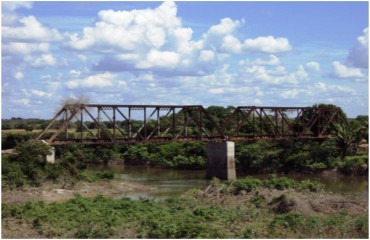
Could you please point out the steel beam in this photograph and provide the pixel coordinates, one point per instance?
(189, 123)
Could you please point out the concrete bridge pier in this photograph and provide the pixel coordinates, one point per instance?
(51, 157)
(221, 160)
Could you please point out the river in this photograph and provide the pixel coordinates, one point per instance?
(172, 182)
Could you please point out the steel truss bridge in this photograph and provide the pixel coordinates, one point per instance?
(109, 124)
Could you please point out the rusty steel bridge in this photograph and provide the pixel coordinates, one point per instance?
(110, 124)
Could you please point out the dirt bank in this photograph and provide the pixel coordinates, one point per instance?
(282, 201)
(49, 192)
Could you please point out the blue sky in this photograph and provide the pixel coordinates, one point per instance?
(208, 53)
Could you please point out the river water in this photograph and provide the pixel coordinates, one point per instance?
(171, 182)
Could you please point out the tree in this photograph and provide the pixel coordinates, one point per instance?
(31, 157)
(348, 137)
(6, 126)
(364, 122)
(28, 127)
(32, 151)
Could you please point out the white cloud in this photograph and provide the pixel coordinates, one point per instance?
(272, 60)
(359, 54)
(22, 48)
(164, 59)
(25, 41)
(127, 30)
(18, 75)
(53, 87)
(321, 86)
(22, 101)
(301, 73)
(30, 30)
(221, 36)
(290, 94)
(13, 5)
(225, 27)
(102, 80)
(99, 80)
(342, 71)
(40, 93)
(332, 90)
(206, 56)
(150, 39)
(216, 91)
(72, 84)
(231, 44)
(267, 44)
(267, 74)
(315, 66)
(74, 73)
(156, 40)
(45, 60)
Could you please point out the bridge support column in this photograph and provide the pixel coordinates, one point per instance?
(51, 157)
(221, 160)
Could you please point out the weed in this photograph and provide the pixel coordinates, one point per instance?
(258, 200)
(247, 183)
(101, 217)
(274, 182)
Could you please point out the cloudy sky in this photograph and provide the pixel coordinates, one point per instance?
(208, 53)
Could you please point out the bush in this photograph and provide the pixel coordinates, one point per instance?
(94, 176)
(274, 182)
(11, 174)
(247, 183)
(11, 140)
(136, 154)
(279, 183)
(354, 165)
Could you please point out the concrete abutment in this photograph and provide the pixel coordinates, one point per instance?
(221, 160)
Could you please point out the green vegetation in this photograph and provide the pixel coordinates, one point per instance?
(237, 209)
(95, 176)
(273, 182)
(10, 139)
(342, 153)
(28, 166)
(185, 217)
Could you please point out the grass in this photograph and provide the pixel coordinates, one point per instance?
(91, 176)
(185, 217)
(274, 182)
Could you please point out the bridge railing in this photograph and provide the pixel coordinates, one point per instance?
(106, 124)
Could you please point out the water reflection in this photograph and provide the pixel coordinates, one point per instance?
(170, 182)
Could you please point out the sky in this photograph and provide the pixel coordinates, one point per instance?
(183, 53)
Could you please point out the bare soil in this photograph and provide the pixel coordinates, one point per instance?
(57, 193)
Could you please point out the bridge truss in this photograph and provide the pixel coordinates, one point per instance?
(107, 124)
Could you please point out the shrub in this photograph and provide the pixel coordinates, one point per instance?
(12, 174)
(279, 183)
(247, 183)
(94, 176)
(354, 165)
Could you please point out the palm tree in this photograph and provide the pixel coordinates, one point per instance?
(349, 136)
